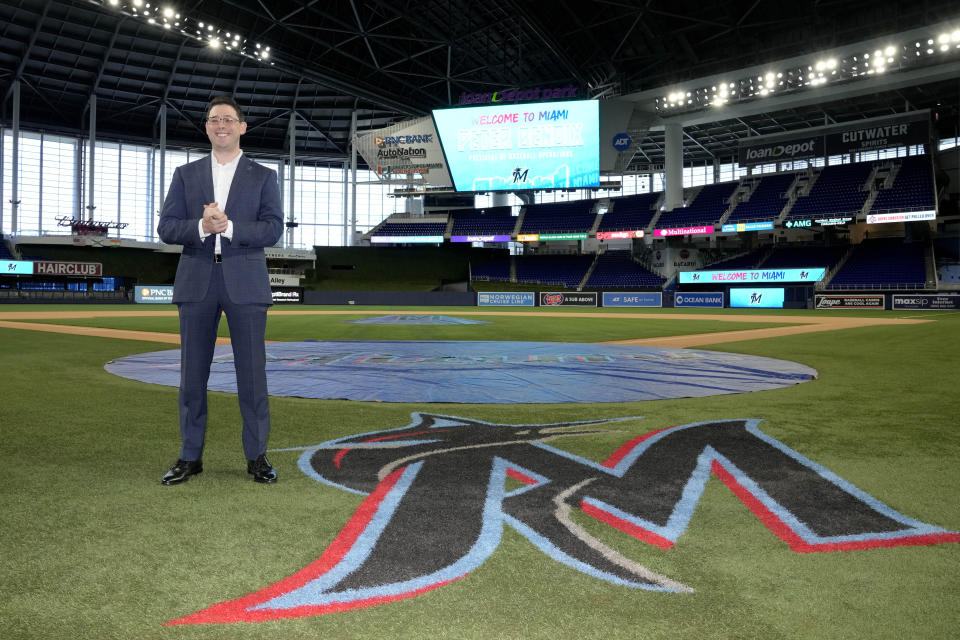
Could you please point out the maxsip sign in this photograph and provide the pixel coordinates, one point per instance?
(926, 302)
(781, 151)
(814, 274)
(154, 294)
(406, 150)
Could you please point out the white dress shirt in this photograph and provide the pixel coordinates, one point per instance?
(222, 179)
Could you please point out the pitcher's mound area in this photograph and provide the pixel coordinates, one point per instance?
(484, 372)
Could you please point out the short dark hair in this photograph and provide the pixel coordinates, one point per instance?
(229, 101)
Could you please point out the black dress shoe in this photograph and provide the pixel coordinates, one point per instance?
(261, 470)
(181, 471)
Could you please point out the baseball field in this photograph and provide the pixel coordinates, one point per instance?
(832, 510)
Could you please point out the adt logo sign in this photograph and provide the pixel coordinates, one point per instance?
(622, 142)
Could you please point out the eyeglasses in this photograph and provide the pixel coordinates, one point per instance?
(218, 119)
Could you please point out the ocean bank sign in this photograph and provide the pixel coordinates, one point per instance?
(812, 274)
(699, 299)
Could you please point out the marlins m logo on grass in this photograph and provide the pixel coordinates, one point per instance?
(441, 490)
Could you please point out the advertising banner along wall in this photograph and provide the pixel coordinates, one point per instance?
(926, 302)
(568, 298)
(844, 301)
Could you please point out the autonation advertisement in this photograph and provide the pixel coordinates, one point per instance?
(548, 145)
(506, 299)
(407, 150)
(698, 299)
(813, 274)
(768, 298)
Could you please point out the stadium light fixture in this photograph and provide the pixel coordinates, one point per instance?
(169, 18)
(842, 65)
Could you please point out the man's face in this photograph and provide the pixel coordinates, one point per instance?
(225, 137)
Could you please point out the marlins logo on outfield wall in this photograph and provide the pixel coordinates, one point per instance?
(441, 491)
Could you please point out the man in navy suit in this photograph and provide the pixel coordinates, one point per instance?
(224, 209)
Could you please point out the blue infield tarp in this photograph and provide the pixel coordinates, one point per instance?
(484, 372)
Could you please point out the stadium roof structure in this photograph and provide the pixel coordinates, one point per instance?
(317, 65)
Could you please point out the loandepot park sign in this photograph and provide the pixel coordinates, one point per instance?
(440, 491)
(513, 96)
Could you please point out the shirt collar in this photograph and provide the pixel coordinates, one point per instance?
(230, 165)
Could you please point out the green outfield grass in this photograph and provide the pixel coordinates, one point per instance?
(517, 327)
(93, 546)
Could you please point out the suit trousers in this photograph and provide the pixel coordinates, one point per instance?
(199, 322)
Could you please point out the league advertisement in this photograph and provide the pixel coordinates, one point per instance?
(547, 145)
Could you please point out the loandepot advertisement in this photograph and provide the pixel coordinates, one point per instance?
(547, 145)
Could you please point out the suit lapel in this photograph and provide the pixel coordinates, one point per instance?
(206, 179)
(240, 180)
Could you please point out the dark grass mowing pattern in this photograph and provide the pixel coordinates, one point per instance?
(93, 547)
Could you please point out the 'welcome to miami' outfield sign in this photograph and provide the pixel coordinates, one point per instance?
(812, 274)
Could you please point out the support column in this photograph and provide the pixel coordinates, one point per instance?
(292, 134)
(499, 199)
(91, 155)
(353, 175)
(15, 164)
(346, 204)
(161, 179)
(673, 167)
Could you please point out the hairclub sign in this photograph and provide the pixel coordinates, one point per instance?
(440, 492)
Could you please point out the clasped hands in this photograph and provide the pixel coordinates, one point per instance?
(214, 220)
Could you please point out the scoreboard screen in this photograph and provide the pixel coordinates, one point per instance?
(546, 145)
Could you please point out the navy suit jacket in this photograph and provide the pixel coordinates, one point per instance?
(254, 207)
